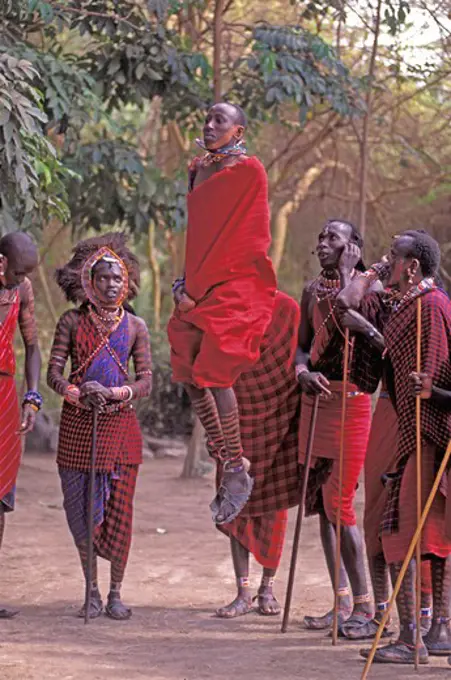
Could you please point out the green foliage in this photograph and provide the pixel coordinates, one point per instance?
(291, 65)
(395, 15)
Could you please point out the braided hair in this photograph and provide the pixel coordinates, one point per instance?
(69, 277)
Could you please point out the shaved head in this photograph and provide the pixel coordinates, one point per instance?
(19, 257)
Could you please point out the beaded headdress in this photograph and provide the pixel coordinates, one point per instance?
(107, 255)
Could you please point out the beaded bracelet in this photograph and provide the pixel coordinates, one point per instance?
(72, 394)
(33, 398)
(178, 283)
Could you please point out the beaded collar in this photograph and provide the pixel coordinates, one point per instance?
(327, 286)
(217, 155)
(412, 293)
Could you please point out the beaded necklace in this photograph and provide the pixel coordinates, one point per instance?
(217, 155)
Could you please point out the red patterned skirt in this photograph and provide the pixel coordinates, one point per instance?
(10, 441)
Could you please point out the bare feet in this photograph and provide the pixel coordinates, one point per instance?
(241, 605)
(115, 609)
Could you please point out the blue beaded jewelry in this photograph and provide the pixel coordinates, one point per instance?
(33, 398)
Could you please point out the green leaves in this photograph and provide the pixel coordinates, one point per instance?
(395, 15)
(293, 65)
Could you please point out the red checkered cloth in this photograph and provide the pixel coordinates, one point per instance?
(269, 404)
(263, 536)
(400, 338)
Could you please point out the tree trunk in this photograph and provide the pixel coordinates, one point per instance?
(196, 450)
(367, 123)
(217, 49)
(280, 224)
(156, 277)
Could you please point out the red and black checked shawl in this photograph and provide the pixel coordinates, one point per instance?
(119, 437)
(269, 404)
(400, 338)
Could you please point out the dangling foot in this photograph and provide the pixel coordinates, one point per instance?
(438, 639)
(95, 606)
(115, 609)
(241, 605)
(398, 652)
(233, 493)
(267, 603)
(8, 613)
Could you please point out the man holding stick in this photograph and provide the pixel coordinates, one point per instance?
(101, 337)
(412, 265)
(319, 367)
(18, 258)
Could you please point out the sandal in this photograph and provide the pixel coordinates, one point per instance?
(325, 622)
(238, 607)
(8, 613)
(441, 646)
(398, 652)
(226, 506)
(265, 599)
(362, 627)
(95, 606)
(116, 610)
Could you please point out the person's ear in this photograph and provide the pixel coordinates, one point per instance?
(239, 132)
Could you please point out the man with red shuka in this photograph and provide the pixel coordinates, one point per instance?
(225, 300)
(268, 398)
(18, 258)
(319, 367)
(412, 265)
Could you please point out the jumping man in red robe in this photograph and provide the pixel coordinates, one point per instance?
(18, 258)
(224, 302)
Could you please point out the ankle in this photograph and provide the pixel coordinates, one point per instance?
(115, 589)
(244, 587)
(266, 584)
(407, 633)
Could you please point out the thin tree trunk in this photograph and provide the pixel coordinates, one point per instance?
(280, 224)
(196, 451)
(217, 49)
(156, 277)
(47, 293)
(367, 123)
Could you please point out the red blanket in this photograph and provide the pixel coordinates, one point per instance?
(229, 275)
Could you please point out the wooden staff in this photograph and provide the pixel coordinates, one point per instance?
(340, 488)
(300, 516)
(418, 451)
(407, 559)
(91, 494)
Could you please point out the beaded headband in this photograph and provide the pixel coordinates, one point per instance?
(107, 255)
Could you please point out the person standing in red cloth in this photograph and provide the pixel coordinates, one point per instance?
(413, 265)
(225, 300)
(268, 398)
(101, 337)
(319, 368)
(18, 258)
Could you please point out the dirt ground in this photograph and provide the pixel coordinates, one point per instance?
(174, 582)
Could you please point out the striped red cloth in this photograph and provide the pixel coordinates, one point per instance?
(269, 404)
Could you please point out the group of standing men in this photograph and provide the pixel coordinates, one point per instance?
(253, 362)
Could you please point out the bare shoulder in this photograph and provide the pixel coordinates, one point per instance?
(26, 291)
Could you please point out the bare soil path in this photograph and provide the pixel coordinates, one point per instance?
(174, 582)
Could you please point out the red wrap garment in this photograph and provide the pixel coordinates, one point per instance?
(10, 442)
(269, 403)
(324, 489)
(228, 274)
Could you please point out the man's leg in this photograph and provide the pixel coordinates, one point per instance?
(217, 410)
(115, 608)
(403, 651)
(4, 613)
(329, 543)
(267, 602)
(438, 639)
(426, 596)
(242, 604)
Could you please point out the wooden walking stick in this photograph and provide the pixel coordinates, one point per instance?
(418, 452)
(407, 559)
(300, 516)
(340, 488)
(91, 493)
